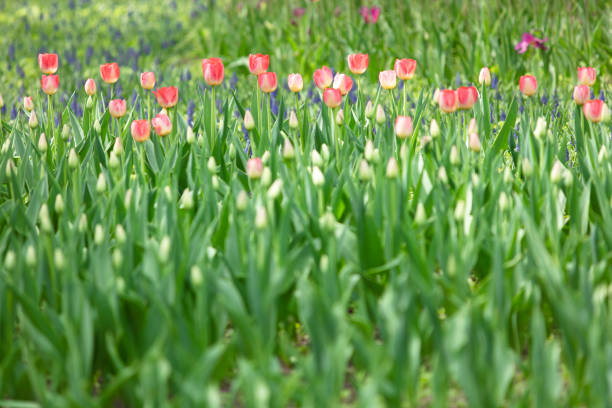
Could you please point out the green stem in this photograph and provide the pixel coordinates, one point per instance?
(404, 98)
(50, 118)
(149, 106)
(142, 162)
(1, 127)
(269, 120)
(212, 119)
(258, 110)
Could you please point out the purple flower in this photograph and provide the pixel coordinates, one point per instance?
(527, 40)
(370, 14)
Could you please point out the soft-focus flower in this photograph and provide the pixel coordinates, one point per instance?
(527, 40)
(47, 63)
(475, 142)
(387, 79)
(403, 126)
(167, 97)
(369, 110)
(318, 179)
(249, 121)
(162, 125)
(540, 128)
(254, 168)
(358, 63)
(90, 87)
(484, 77)
(380, 115)
(147, 80)
(140, 130)
(581, 94)
(528, 85)
(434, 129)
(340, 117)
(258, 63)
(42, 143)
(295, 82)
(370, 14)
(594, 110)
(343, 82)
(332, 97)
(466, 97)
(404, 68)
(293, 120)
(109, 72)
(267, 81)
(323, 77)
(28, 104)
(213, 71)
(33, 121)
(49, 84)
(586, 75)
(447, 100)
(392, 168)
(117, 108)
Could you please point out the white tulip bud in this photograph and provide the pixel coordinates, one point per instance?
(97, 126)
(65, 131)
(45, 219)
(6, 145)
(434, 129)
(392, 168)
(212, 164)
(33, 121)
(288, 150)
(540, 128)
(59, 204)
(275, 189)
(117, 259)
(249, 121)
(242, 200)
(118, 147)
(98, 234)
(232, 151)
(460, 210)
(556, 172)
(568, 179)
(164, 249)
(420, 215)
(475, 142)
(82, 227)
(368, 151)
(442, 176)
(317, 177)
(365, 172)
(603, 154)
(261, 218)
(10, 168)
(340, 117)
(73, 159)
(507, 175)
(42, 143)
(503, 201)
(380, 115)
(327, 222)
(324, 153)
(527, 167)
(293, 120)
(113, 161)
(186, 201)
(30, 257)
(89, 103)
(120, 234)
(128, 198)
(369, 110)
(266, 177)
(58, 259)
(316, 158)
(101, 183)
(10, 259)
(454, 156)
(190, 136)
(196, 276)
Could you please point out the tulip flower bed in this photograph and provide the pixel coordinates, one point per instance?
(360, 227)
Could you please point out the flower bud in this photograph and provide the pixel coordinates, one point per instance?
(101, 183)
(232, 151)
(454, 156)
(365, 172)
(97, 126)
(369, 110)
(10, 260)
(503, 201)
(45, 220)
(507, 175)
(113, 161)
(164, 249)
(293, 120)
(420, 216)
(6, 145)
(442, 176)
(266, 177)
(475, 179)
(212, 164)
(186, 200)
(59, 204)
(484, 77)
(288, 150)
(120, 234)
(434, 129)
(33, 121)
(242, 200)
(118, 146)
(380, 115)
(28, 104)
(275, 189)
(556, 172)
(42, 143)
(58, 259)
(316, 158)
(10, 168)
(540, 128)
(460, 210)
(98, 234)
(128, 198)
(249, 121)
(30, 257)
(340, 117)
(327, 222)
(117, 259)
(73, 160)
(195, 274)
(65, 131)
(527, 167)
(89, 103)
(392, 168)
(603, 155)
(568, 179)
(190, 135)
(82, 227)
(261, 218)
(368, 151)
(317, 177)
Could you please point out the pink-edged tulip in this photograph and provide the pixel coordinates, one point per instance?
(47, 63)
(258, 63)
(404, 68)
(117, 108)
(594, 110)
(109, 72)
(370, 14)
(28, 104)
(484, 77)
(90, 87)
(332, 97)
(528, 85)
(147, 80)
(403, 126)
(581, 94)
(49, 84)
(140, 130)
(586, 76)
(167, 97)
(447, 100)
(213, 71)
(254, 168)
(358, 63)
(323, 77)
(295, 82)
(343, 82)
(387, 79)
(267, 81)
(162, 125)
(466, 97)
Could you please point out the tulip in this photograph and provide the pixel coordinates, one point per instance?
(33, 121)
(466, 97)
(392, 168)
(28, 104)
(90, 87)
(295, 82)
(380, 115)
(140, 130)
(447, 100)
(404, 68)
(332, 97)
(109, 72)
(540, 128)
(358, 63)
(49, 84)
(1, 102)
(293, 120)
(581, 94)
(167, 97)
(147, 80)
(484, 77)
(267, 81)
(117, 108)
(42, 143)
(258, 63)
(344, 83)
(594, 110)
(213, 71)
(249, 121)
(47, 63)
(254, 168)
(369, 110)
(318, 179)
(162, 125)
(403, 126)
(528, 85)
(475, 142)
(323, 77)
(586, 75)
(387, 79)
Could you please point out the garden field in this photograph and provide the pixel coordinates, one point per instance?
(305, 203)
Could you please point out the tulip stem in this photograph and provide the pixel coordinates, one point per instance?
(212, 119)
(149, 106)
(50, 117)
(269, 119)
(404, 98)
(1, 127)
(258, 111)
(142, 161)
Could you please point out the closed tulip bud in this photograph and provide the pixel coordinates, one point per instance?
(73, 159)
(59, 204)
(484, 77)
(404, 68)
(113, 161)
(568, 179)
(340, 117)
(475, 179)
(392, 168)
(295, 82)
(460, 210)
(293, 120)
(528, 85)
(249, 122)
(507, 175)
(380, 115)
(141, 130)
(128, 198)
(212, 164)
(65, 131)
(90, 87)
(49, 84)
(261, 218)
(213, 71)
(581, 94)
(254, 168)
(275, 189)
(167, 97)
(147, 80)
(117, 108)
(475, 142)
(586, 75)
(540, 128)
(118, 146)
(527, 167)
(258, 63)
(109, 72)
(594, 110)
(30, 257)
(1, 102)
(327, 222)
(447, 100)
(6, 145)
(343, 82)
(28, 104)
(101, 183)
(232, 151)
(365, 172)
(186, 200)
(323, 77)
(358, 63)
(387, 79)
(603, 154)
(117, 260)
(89, 103)
(48, 63)
(266, 177)
(434, 129)
(473, 126)
(33, 121)
(120, 234)
(10, 260)
(466, 97)
(267, 82)
(242, 200)
(164, 249)
(162, 125)
(195, 274)
(369, 110)
(98, 234)
(503, 201)
(288, 150)
(420, 216)
(42, 143)
(317, 177)
(454, 155)
(316, 158)
(403, 127)
(191, 136)
(442, 176)
(332, 97)
(556, 172)
(97, 126)
(368, 151)
(58, 259)
(325, 152)
(605, 115)
(45, 220)
(168, 192)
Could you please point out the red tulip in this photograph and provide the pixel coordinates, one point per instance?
(586, 75)
(581, 94)
(295, 82)
(147, 80)
(466, 97)
(344, 83)
(528, 85)
(267, 81)
(47, 63)
(258, 63)
(140, 130)
(49, 84)
(594, 110)
(447, 100)
(387, 79)
(404, 68)
(162, 125)
(332, 97)
(403, 126)
(213, 71)
(323, 77)
(117, 108)
(358, 63)
(109, 72)
(167, 97)
(90, 87)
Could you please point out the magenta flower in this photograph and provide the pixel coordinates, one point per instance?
(370, 14)
(299, 12)
(529, 39)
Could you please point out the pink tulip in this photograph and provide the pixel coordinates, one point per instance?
(586, 75)
(49, 84)
(581, 94)
(162, 125)
(323, 77)
(484, 77)
(332, 97)
(147, 80)
(370, 14)
(344, 83)
(110, 72)
(594, 110)
(387, 79)
(447, 100)
(466, 97)
(28, 104)
(47, 63)
(358, 63)
(90, 87)
(528, 85)
(404, 68)
(140, 130)
(403, 126)
(213, 71)
(167, 97)
(117, 108)
(254, 168)
(258, 63)
(267, 81)
(295, 82)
